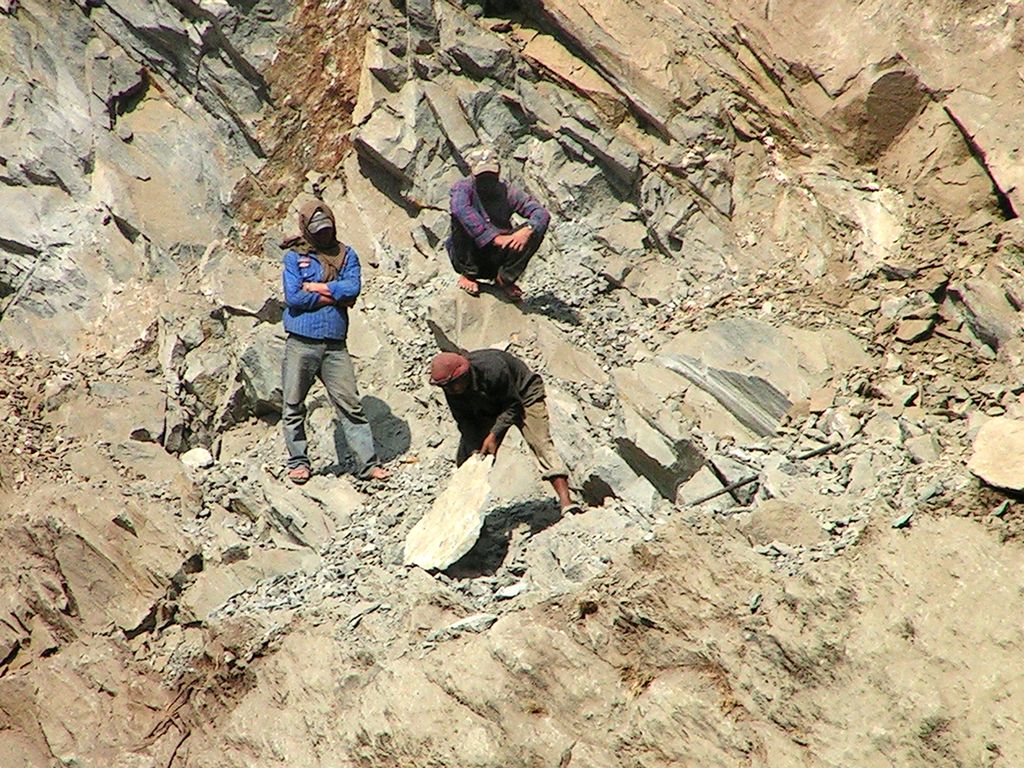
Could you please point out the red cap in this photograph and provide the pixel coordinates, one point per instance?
(446, 367)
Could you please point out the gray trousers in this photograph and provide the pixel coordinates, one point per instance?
(329, 361)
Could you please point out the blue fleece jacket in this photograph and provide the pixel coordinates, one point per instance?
(301, 315)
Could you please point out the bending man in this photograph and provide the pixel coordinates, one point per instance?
(489, 391)
(322, 279)
(483, 244)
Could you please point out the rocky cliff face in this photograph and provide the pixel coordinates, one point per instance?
(784, 249)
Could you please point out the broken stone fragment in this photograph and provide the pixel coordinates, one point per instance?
(998, 453)
(197, 458)
(910, 331)
(822, 399)
(478, 622)
(512, 590)
(701, 485)
(898, 392)
(903, 520)
(863, 305)
(259, 367)
(842, 422)
(885, 428)
(923, 449)
(986, 311)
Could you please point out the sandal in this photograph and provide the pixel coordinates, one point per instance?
(512, 291)
(469, 285)
(299, 475)
(378, 473)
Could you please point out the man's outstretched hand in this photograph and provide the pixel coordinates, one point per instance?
(490, 445)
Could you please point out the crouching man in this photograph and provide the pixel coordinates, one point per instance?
(488, 392)
(484, 244)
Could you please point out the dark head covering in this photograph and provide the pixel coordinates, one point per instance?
(446, 367)
(320, 238)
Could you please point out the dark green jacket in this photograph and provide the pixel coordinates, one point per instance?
(500, 389)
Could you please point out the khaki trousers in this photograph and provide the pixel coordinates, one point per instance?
(536, 431)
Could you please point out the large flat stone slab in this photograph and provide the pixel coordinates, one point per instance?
(452, 526)
(795, 361)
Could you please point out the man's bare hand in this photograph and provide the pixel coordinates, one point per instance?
(320, 288)
(490, 445)
(518, 239)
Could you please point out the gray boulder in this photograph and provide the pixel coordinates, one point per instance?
(259, 367)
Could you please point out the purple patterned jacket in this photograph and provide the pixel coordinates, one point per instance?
(482, 225)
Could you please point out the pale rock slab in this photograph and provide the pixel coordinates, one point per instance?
(483, 321)
(197, 458)
(785, 520)
(783, 478)
(923, 449)
(207, 369)
(651, 390)
(449, 113)
(229, 283)
(259, 367)
(898, 391)
(338, 497)
(885, 428)
(840, 421)
(547, 53)
(212, 588)
(479, 53)
(613, 471)
(998, 453)
(665, 463)
(452, 526)
(864, 475)
(793, 360)
(566, 361)
(986, 310)
(913, 330)
(474, 624)
(292, 512)
(753, 401)
(113, 575)
(569, 426)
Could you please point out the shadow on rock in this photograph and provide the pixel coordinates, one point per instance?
(491, 549)
(551, 306)
(388, 184)
(391, 436)
(390, 433)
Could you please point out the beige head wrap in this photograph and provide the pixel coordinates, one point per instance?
(331, 257)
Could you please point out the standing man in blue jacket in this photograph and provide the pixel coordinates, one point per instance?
(483, 243)
(322, 279)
